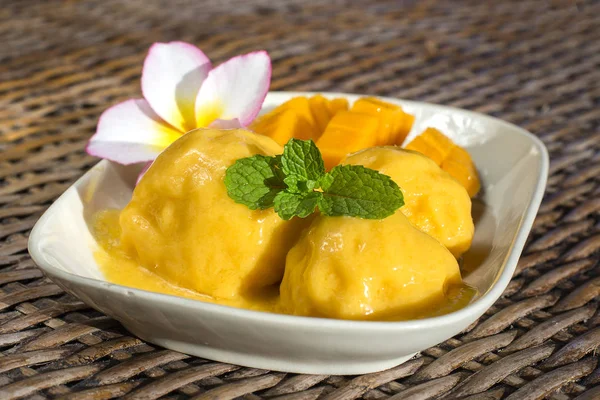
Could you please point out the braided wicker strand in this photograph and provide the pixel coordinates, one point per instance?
(534, 63)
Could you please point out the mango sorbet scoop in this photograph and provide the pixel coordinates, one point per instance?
(434, 202)
(354, 268)
(181, 224)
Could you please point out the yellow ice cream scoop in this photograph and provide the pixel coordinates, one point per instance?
(182, 225)
(435, 202)
(352, 268)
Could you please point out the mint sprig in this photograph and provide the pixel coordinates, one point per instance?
(295, 184)
(255, 181)
(302, 159)
(359, 192)
(288, 205)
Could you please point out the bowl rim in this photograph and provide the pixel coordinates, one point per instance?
(485, 301)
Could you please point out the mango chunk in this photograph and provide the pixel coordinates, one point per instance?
(439, 141)
(460, 166)
(420, 145)
(319, 108)
(451, 158)
(386, 117)
(300, 117)
(291, 119)
(283, 126)
(394, 122)
(301, 106)
(403, 129)
(347, 132)
(337, 105)
(432, 143)
(460, 155)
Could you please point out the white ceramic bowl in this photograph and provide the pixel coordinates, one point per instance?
(513, 165)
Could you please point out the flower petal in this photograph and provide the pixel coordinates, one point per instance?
(172, 75)
(130, 132)
(226, 124)
(235, 89)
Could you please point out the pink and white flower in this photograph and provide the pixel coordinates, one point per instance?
(181, 92)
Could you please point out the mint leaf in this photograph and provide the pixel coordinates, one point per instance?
(325, 181)
(288, 205)
(298, 185)
(275, 163)
(302, 158)
(255, 181)
(295, 184)
(356, 191)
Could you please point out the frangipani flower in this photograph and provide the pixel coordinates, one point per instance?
(181, 92)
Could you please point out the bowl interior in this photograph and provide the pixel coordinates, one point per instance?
(512, 164)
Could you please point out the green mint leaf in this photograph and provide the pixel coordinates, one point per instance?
(289, 205)
(275, 163)
(356, 191)
(302, 158)
(298, 185)
(255, 181)
(325, 181)
(295, 184)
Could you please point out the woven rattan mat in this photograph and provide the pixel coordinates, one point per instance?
(533, 63)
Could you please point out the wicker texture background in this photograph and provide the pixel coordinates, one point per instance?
(534, 63)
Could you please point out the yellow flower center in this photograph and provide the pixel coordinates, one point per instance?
(208, 114)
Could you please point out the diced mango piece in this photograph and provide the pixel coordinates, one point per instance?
(283, 126)
(401, 124)
(319, 107)
(305, 118)
(403, 129)
(337, 105)
(420, 145)
(379, 103)
(260, 124)
(461, 167)
(394, 122)
(284, 123)
(386, 115)
(347, 132)
(451, 158)
(301, 106)
(439, 141)
(460, 155)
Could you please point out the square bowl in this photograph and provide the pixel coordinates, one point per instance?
(513, 165)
